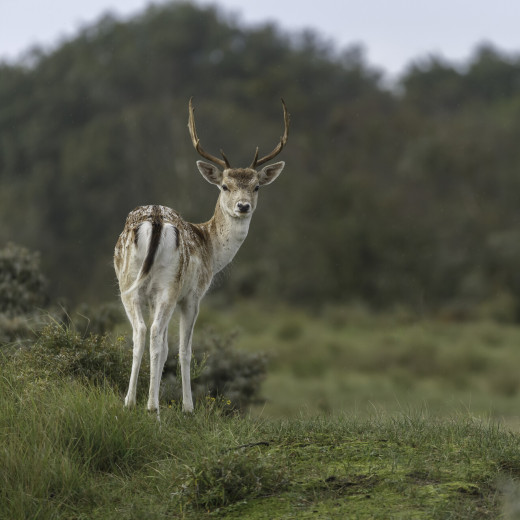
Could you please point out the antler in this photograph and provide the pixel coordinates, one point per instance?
(196, 142)
(286, 118)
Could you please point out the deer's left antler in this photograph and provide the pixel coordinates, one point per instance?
(196, 142)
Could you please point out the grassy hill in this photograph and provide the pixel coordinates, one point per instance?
(73, 452)
(70, 449)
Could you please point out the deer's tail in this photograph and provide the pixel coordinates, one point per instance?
(154, 239)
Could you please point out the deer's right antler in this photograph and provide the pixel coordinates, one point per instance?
(286, 119)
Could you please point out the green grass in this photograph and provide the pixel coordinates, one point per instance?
(347, 360)
(70, 450)
(366, 417)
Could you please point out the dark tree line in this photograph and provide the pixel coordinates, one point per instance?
(408, 195)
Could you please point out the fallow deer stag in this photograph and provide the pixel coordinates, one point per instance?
(163, 261)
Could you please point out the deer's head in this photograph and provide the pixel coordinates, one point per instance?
(239, 186)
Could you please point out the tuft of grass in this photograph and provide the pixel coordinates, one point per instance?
(57, 438)
(223, 478)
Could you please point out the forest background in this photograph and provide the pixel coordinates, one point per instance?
(403, 195)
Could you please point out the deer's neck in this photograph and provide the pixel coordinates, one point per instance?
(227, 234)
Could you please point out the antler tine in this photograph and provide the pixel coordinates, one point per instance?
(255, 160)
(286, 119)
(225, 158)
(196, 141)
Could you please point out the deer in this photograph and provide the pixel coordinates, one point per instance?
(163, 262)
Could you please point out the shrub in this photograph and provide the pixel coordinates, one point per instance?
(220, 370)
(103, 318)
(22, 284)
(22, 291)
(61, 352)
(14, 329)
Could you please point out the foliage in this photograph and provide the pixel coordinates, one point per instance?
(16, 329)
(404, 195)
(23, 287)
(23, 293)
(102, 318)
(222, 372)
(60, 352)
(236, 475)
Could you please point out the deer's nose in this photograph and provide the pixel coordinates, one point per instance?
(243, 207)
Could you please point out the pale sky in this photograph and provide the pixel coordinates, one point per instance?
(393, 32)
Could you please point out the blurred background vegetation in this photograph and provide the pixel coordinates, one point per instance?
(404, 195)
(401, 199)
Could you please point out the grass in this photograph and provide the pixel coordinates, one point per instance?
(71, 450)
(366, 417)
(347, 360)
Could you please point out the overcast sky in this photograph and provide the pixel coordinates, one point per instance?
(394, 32)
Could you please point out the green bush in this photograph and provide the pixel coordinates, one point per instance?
(14, 329)
(102, 318)
(22, 284)
(61, 352)
(23, 291)
(219, 371)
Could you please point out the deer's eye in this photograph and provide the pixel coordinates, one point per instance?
(257, 188)
(224, 188)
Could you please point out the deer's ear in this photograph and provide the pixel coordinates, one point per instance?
(210, 172)
(269, 173)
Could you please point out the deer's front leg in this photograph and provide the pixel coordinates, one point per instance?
(189, 312)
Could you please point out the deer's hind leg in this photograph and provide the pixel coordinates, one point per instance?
(132, 306)
(162, 313)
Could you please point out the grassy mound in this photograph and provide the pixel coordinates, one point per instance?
(70, 450)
